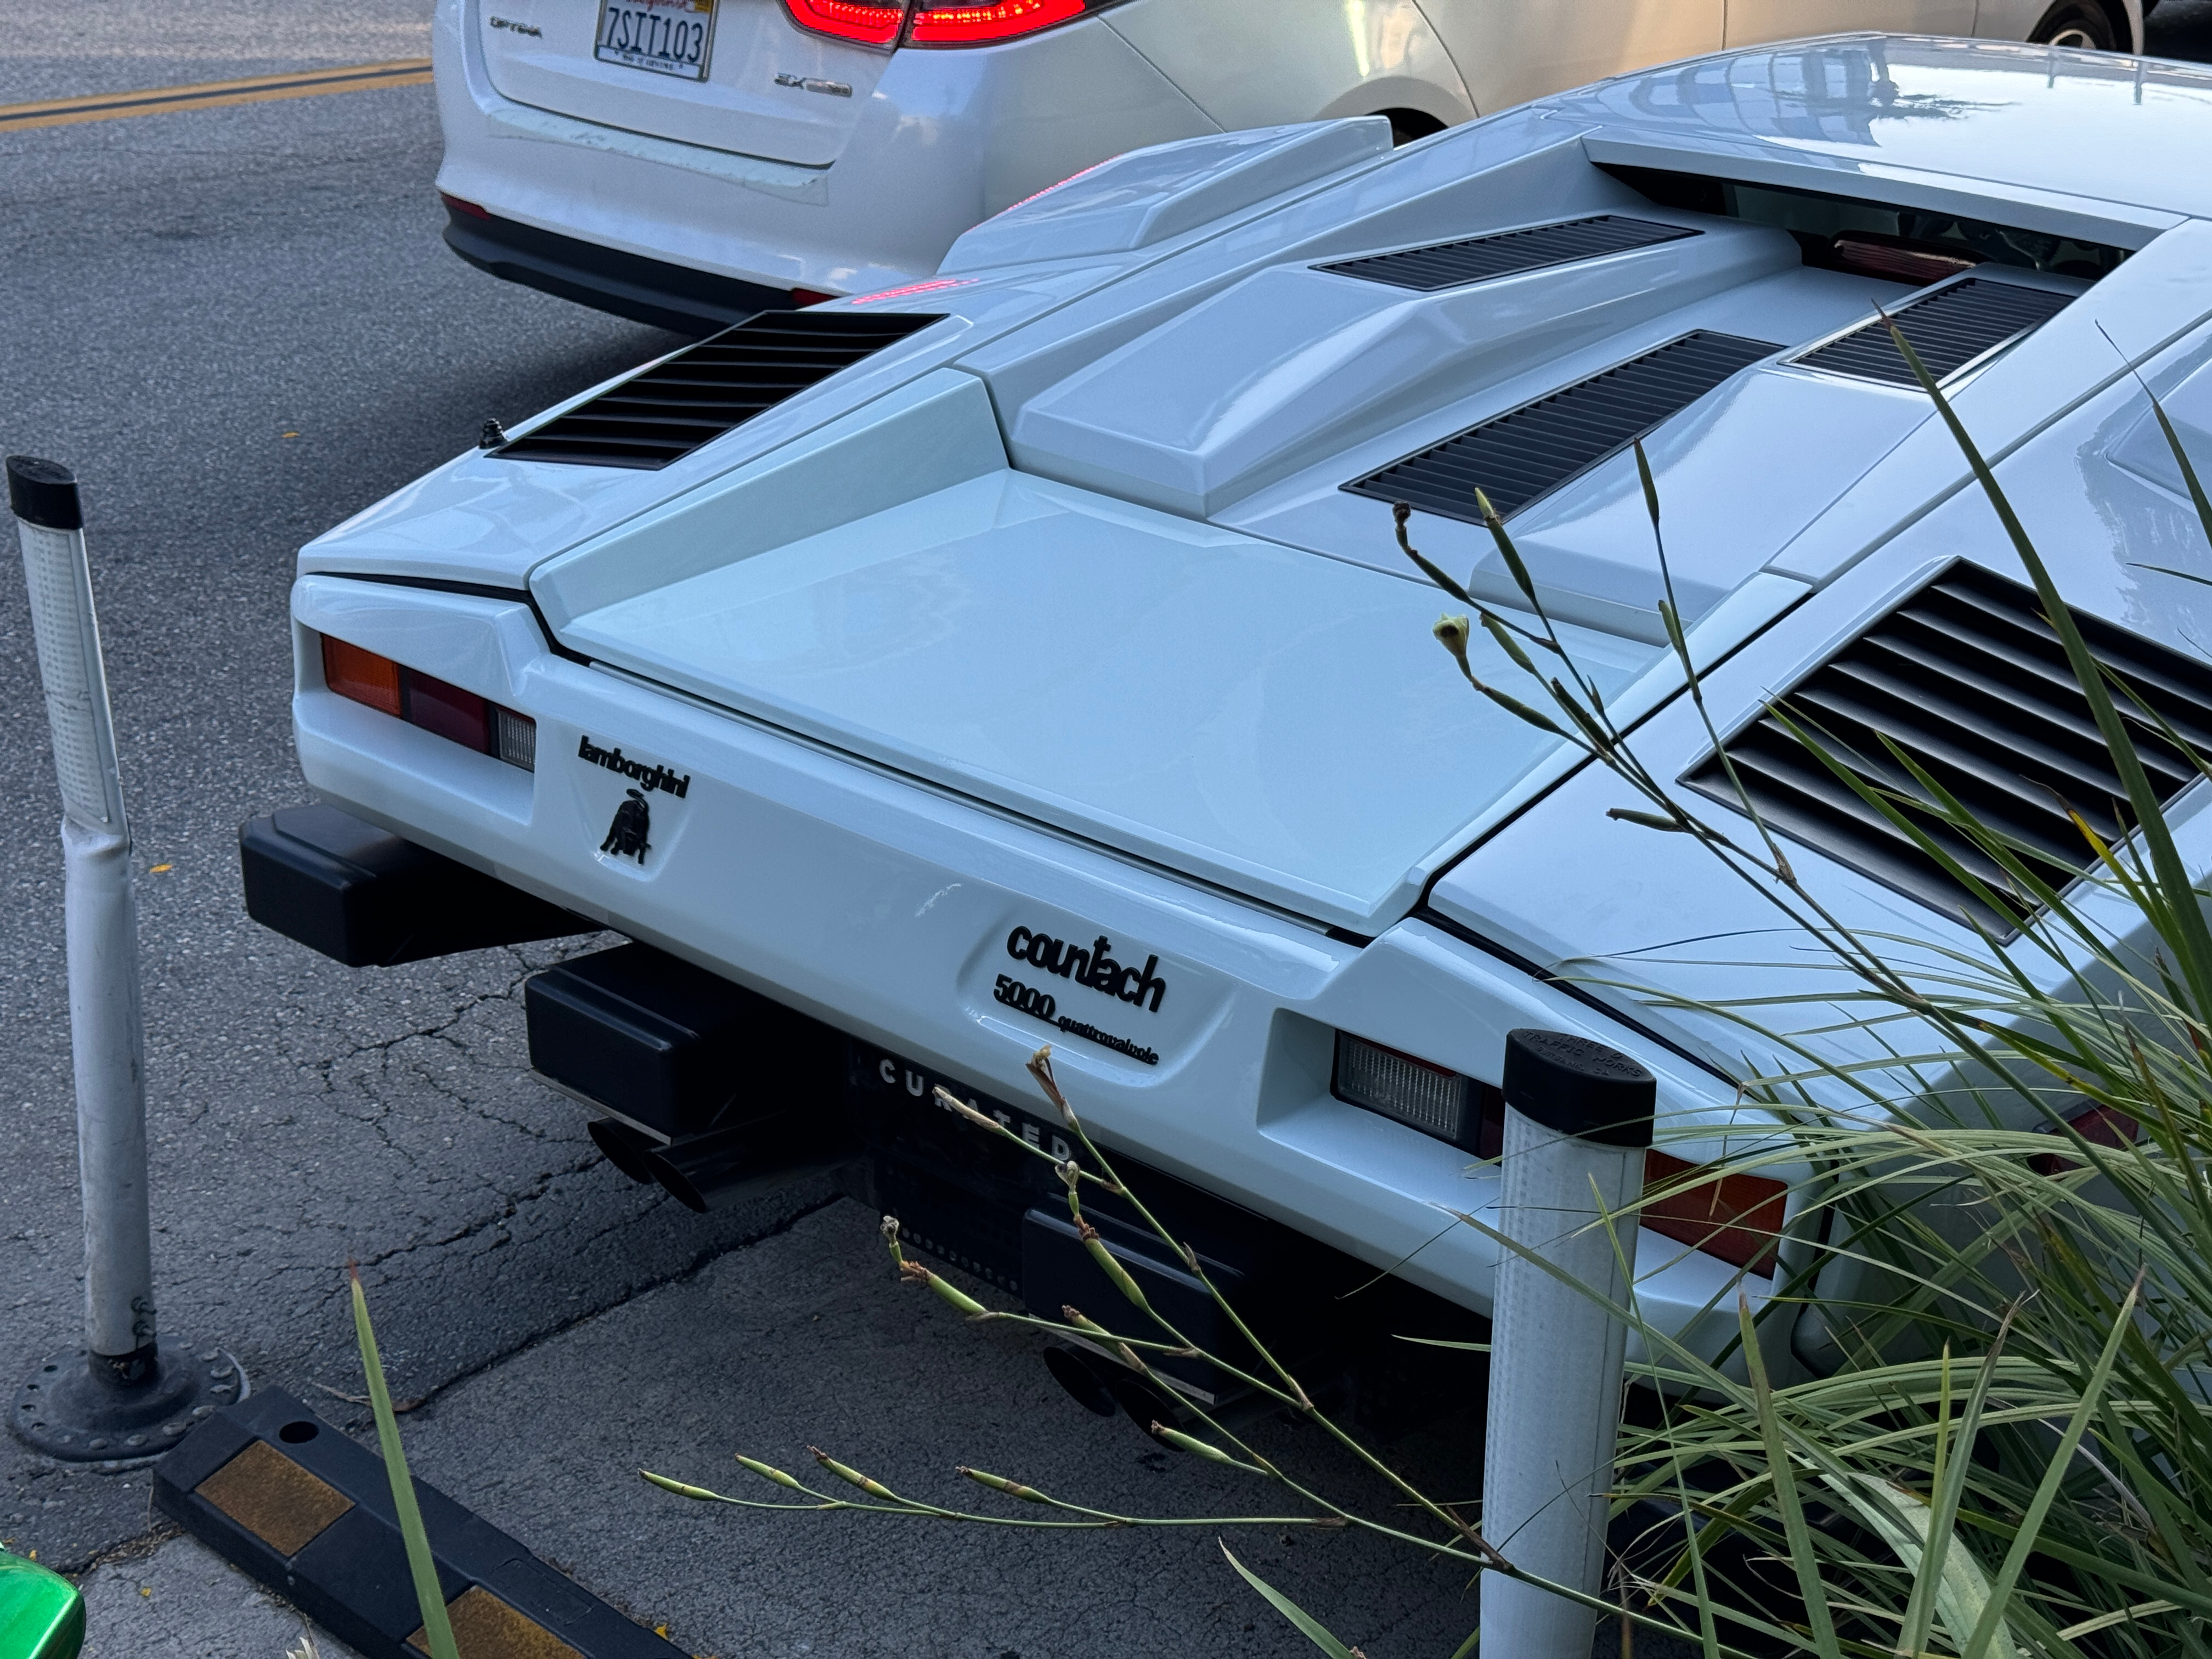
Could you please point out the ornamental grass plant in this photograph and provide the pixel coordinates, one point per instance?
(2002, 1200)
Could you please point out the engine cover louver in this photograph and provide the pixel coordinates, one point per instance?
(695, 397)
(1967, 678)
(1949, 329)
(1517, 457)
(1479, 259)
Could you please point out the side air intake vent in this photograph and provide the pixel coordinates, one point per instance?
(695, 397)
(1517, 457)
(1479, 259)
(1967, 678)
(1949, 329)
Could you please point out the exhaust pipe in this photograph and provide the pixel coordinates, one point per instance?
(1103, 1386)
(1073, 1369)
(703, 1172)
(623, 1148)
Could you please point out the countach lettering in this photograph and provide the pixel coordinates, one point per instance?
(1095, 967)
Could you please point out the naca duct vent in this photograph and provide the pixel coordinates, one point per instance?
(1515, 458)
(1479, 259)
(695, 397)
(1948, 328)
(1967, 678)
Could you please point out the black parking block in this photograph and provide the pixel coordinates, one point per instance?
(307, 1510)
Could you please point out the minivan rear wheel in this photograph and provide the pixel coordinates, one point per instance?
(2082, 23)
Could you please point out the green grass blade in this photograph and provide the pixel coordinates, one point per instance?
(2046, 1489)
(1308, 1625)
(1782, 1471)
(421, 1566)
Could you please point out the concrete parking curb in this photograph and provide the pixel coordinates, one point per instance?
(307, 1511)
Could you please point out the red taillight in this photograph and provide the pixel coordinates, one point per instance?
(2100, 1126)
(423, 701)
(933, 22)
(864, 21)
(1737, 1217)
(459, 206)
(950, 23)
(809, 296)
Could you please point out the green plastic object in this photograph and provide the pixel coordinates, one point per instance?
(41, 1614)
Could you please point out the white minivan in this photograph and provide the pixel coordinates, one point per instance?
(690, 162)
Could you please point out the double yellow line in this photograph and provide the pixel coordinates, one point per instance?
(213, 95)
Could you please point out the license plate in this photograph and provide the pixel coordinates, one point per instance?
(669, 37)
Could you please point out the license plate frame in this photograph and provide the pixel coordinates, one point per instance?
(674, 38)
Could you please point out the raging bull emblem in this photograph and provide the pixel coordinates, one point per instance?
(626, 834)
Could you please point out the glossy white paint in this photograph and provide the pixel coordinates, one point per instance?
(1132, 677)
(1057, 609)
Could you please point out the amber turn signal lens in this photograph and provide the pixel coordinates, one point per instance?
(1737, 1217)
(362, 675)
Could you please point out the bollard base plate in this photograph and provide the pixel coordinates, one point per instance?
(70, 1409)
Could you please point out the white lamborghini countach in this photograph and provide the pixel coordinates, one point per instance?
(1026, 655)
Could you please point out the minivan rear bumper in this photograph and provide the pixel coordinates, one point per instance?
(652, 291)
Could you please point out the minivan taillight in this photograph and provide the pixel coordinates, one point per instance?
(934, 22)
(950, 23)
(871, 22)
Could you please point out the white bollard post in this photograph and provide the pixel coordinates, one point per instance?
(1577, 1126)
(127, 1395)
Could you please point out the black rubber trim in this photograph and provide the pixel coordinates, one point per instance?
(1514, 959)
(1576, 1087)
(44, 493)
(475, 590)
(652, 291)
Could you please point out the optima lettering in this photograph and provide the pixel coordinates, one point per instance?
(1095, 967)
(646, 777)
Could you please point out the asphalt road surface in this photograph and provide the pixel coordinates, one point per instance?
(239, 326)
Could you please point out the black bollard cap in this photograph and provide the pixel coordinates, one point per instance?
(43, 493)
(1579, 1087)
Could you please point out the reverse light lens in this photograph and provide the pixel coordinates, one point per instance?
(949, 23)
(870, 23)
(422, 700)
(1420, 1093)
(1737, 1217)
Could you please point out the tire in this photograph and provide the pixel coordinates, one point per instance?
(2080, 23)
(1407, 124)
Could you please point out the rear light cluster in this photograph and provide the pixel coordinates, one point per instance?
(444, 710)
(2100, 1126)
(1737, 1217)
(934, 22)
